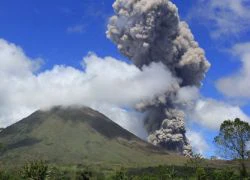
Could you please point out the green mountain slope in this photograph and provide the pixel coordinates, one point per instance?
(75, 135)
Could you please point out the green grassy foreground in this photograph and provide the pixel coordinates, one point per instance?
(39, 170)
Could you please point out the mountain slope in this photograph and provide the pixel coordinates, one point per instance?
(76, 135)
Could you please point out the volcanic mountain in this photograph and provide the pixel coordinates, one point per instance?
(76, 135)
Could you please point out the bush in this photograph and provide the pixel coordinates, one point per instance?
(201, 174)
(171, 173)
(36, 170)
(4, 175)
(120, 175)
(225, 174)
(57, 174)
(84, 175)
(195, 161)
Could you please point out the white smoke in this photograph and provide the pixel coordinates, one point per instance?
(148, 31)
(197, 141)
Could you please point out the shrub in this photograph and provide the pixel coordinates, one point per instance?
(225, 174)
(36, 170)
(195, 161)
(84, 175)
(171, 173)
(4, 175)
(120, 175)
(57, 174)
(200, 174)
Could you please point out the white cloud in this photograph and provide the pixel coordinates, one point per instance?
(211, 113)
(128, 119)
(13, 62)
(248, 146)
(230, 17)
(238, 84)
(105, 82)
(197, 141)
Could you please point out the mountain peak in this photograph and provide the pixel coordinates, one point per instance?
(74, 135)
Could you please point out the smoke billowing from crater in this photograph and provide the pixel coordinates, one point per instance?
(149, 31)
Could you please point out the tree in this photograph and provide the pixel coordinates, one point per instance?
(232, 140)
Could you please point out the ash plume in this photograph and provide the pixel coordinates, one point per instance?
(149, 31)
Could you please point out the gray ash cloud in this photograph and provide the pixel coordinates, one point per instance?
(149, 31)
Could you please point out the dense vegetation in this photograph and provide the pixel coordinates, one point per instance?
(39, 170)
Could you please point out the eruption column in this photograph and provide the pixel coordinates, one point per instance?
(149, 31)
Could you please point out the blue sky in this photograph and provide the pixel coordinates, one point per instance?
(63, 32)
(41, 28)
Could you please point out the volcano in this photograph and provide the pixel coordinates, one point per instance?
(75, 135)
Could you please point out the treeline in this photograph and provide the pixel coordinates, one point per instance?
(39, 170)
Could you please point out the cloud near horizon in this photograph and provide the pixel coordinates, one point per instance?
(210, 113)
(106, 84)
